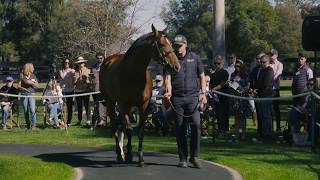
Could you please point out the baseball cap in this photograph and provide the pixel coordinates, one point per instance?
(159, 78)
(9, 78)
(180, 39)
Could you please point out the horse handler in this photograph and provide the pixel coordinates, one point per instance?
(182, 89)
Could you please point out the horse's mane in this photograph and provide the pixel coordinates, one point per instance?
(141, 42)
(112, 56)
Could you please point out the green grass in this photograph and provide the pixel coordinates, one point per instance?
(14, 167)
(254, 161)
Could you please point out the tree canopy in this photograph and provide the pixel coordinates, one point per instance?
(252, 26)
(43, 31)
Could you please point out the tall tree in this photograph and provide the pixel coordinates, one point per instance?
(251, 29)
(194, 20)
(288, 35)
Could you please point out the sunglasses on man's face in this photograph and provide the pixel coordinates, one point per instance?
(217, 63)
(99, 57)
(310, 84)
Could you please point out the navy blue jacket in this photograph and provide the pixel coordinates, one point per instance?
(186, 83)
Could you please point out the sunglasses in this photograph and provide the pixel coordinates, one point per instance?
(310, 84)
(100, 58)
(217, 63)
(263, 62)
(66, 62)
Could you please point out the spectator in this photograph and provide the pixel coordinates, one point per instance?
(99, 112)
(28, 83)
(277, 70)
(218, 82)
(253, 80)
(263, 88)
(301, 76)
(231, 63)
(240, 79)
(54, 104)
(82, 82)
(157, 106)
(184, 88)
(301, 116)
(66, 82)
(7, 101)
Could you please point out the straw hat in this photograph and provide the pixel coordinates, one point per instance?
(80, 60)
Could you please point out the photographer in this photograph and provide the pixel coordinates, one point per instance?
(66, 82)
(82, 82)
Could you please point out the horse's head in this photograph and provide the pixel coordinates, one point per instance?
(163, 50)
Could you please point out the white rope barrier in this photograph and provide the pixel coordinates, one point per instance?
(212, 91)
(41, 97)
(315, 95)
(262, 99)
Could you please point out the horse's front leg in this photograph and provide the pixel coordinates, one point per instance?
(141, 126)
(129, 131)
(119, 136)
(116, 129)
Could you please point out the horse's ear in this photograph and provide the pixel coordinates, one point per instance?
(155, 31)
(165, 30)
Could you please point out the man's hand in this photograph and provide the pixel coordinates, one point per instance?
(203, 99)
(167, 95)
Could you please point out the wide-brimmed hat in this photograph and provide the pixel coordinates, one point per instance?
(80, 60)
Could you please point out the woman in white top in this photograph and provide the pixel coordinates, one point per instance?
(53, 103)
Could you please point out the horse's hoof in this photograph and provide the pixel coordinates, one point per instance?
(141, 164)
(120, 159)
(128, 157)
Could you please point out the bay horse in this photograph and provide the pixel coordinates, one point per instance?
(126, 80)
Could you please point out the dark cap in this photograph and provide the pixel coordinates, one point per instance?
(239, 61)
(301, 54)
(99, 54)
(180, 39)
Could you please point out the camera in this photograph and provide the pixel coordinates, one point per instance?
(53, 71)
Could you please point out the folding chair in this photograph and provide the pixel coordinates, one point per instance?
(61, 116)
(14, 110)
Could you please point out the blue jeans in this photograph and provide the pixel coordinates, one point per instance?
(29, 103)
(5, 114)
(53, 111)
(265, 117)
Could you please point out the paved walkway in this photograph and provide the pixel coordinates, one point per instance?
(100, 163)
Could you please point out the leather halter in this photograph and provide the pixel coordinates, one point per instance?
(163, 57)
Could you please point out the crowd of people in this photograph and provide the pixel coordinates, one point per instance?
(69, 81)
(186, 90)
